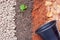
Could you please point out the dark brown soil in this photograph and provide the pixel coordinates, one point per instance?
(23, 20)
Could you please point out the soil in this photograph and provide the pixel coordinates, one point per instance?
(30, 20)
(23, 20)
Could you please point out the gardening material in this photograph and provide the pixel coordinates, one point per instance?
(49, 31)
(38, 17)
(41, 15)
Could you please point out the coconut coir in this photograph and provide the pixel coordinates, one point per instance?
(38, 17)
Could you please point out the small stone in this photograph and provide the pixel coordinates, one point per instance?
(48, 3)
(13, 19)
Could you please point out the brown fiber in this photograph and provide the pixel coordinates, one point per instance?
(39, 17)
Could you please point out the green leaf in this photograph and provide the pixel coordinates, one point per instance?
(23, 7)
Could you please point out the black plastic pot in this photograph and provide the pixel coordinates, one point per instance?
(49, 31)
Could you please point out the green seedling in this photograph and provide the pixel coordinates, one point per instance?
(23, 7)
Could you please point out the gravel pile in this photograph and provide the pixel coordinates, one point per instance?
(7, 24)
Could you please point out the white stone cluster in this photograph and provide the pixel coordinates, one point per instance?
(7, 24)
